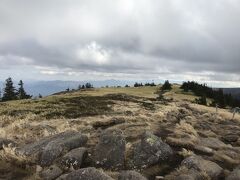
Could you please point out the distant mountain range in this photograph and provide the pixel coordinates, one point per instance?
(49, 87)
(46, 88)
(234, 91)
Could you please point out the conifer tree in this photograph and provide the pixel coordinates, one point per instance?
(21, 91)
(9, 91)
(166, 86)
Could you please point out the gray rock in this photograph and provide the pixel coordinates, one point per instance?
(6, 142)
(131, 175)
(213, 170)
(57, 147)
(74, 158)
(90, 173)
(51, 173)
(235, 174)
(150, 151)
(110, 150)
(48, 149)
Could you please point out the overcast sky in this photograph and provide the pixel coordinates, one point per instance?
(121, 39)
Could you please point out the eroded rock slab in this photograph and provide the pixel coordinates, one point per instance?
(110, 150)
(90, 173)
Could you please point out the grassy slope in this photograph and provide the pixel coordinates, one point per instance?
(26, 121)
(84, 103)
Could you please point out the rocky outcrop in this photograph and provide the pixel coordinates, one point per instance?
(110, 151)
(131, 175)
(90, 173)
(150, 151)
(74, 158)
(45, 151)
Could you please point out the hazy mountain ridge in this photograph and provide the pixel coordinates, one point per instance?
(50, 87)
(46, 88)
(234, 91)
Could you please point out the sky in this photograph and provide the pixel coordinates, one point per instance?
(177, 40)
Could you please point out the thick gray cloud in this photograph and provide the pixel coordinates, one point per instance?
(175, 39)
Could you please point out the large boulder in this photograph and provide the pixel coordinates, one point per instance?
(110, 151)
(74, 158)
(51, 173)
(131, 175)
(48, 149)
(213, 170)
(57, 147)
(150, 151)
(235, 175)
(90, 173)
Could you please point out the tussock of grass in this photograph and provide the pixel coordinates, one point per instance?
(186, 153)
(184, 135)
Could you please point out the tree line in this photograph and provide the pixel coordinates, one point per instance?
(136, 84)
(11, 93)
(218, 97)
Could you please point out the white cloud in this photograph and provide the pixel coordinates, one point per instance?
(93, 53)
